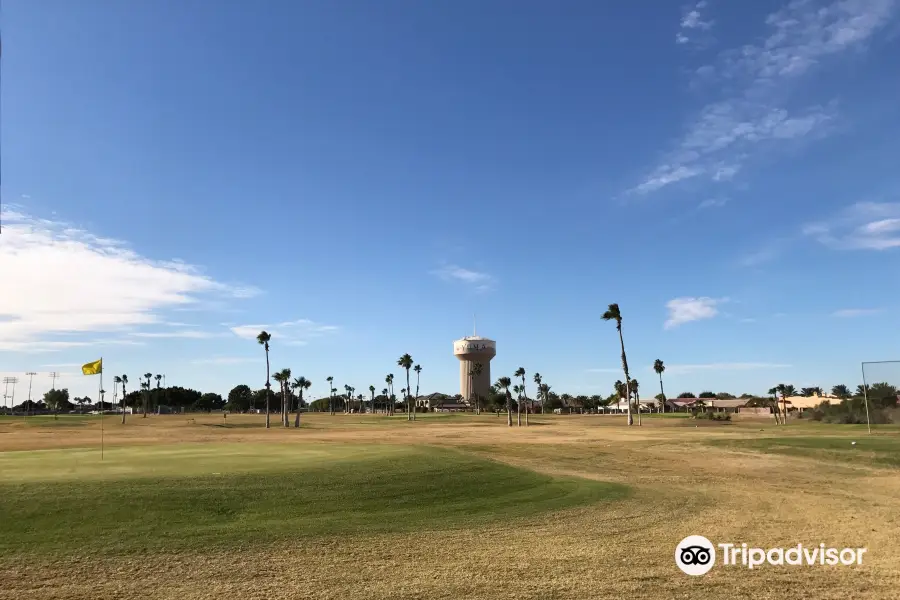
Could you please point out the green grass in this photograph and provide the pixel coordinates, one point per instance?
(198, 497)
(868, 451)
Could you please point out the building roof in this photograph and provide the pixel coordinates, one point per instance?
(728, 403)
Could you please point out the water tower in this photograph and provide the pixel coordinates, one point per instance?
(471, 350)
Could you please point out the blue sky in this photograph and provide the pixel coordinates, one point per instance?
(360, 178)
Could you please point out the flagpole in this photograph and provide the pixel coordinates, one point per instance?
(100, 393)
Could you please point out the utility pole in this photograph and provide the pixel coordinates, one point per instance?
(6, 382)
(31, 375)
(53, 375)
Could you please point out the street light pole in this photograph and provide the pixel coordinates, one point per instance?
(31, 375)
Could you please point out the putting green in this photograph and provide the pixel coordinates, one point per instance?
(191, 496)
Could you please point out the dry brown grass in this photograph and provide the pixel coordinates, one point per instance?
(681, 486)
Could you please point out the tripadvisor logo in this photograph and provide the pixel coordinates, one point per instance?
(696, 555)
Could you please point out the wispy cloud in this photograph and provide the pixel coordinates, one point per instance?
(108, 287)
(183, 334)
(686, 309)
(692, 21)
(713, 203)
(730, 130)
(478, 280)
(767, 252)
(294, 333)
(738, 366)
(847, 313)
(862, 226)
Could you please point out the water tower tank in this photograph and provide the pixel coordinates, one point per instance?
(471, 350)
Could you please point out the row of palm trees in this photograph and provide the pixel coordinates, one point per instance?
(522, 399)
(283, 377)
(145, 387)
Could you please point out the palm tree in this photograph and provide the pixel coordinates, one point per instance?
(540, 392)
(614, 314)
(787, 391)
(330, 380)
(418, 370)
(520, 372)
(637, 398)
(124, 381)
(116, 381)
(660, 368)
(384, 392)
(263, 339)
(406, 361)
(372, 391)
(149, 376)
(774, 404)
(158, 379)
(504, 383)
(545, 395)
(283, 377)
(300, 384)
(841, 391)
(389, 379)
(475, 373)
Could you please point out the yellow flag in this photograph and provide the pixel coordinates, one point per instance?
(93, 368)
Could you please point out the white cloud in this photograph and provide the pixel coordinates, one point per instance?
(184, 334)
(67, 280)
(691, 21)
(713, 203)
(856, 312)
(293, 333)
(478, 280)
(766, 252)
(687, 309)
(862, 226)
(740, 366)
(753, 116)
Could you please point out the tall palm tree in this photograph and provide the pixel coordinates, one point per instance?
(774, 404)
(158, 379)
(545, 395)
(148, 376)
(389, 380)
(372, 391)
(330, 381)
(504, 383)
(406, 361)
(116, 381)
(474, 374)
(384, 392)
(540, 392)
(614, 314)
(283, 377)
(418, 370)
(520, 372)
(263, 339)
(637, 398)
(300, 384)
(124, 382)
(787, 391)
(660, 368)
